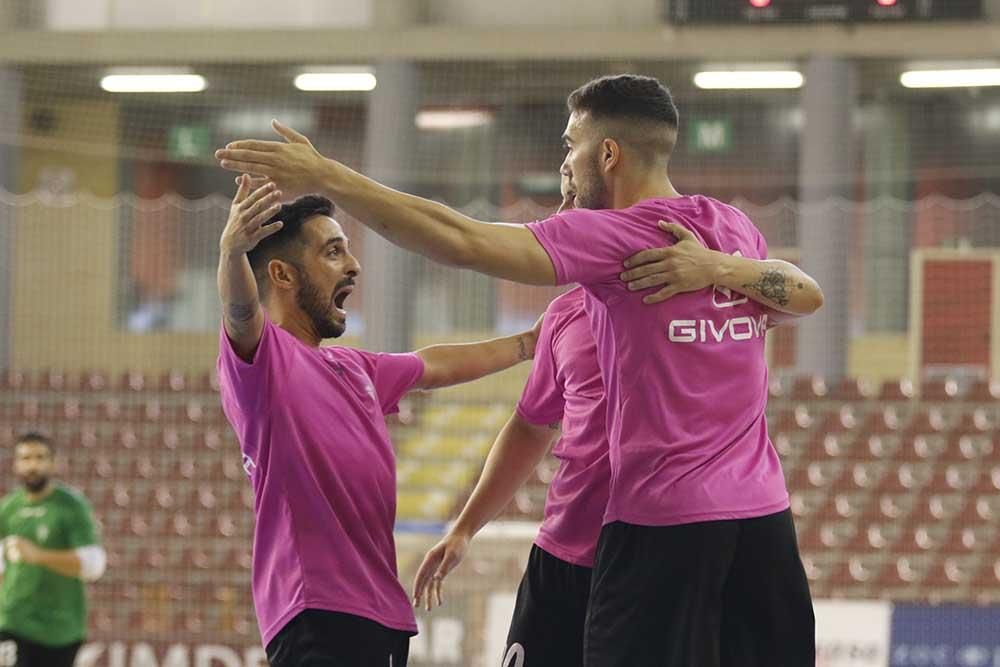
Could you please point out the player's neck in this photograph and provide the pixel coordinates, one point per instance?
(295, 322)
(631, 193)
(41, 494)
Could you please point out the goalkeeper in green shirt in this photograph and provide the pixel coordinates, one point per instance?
(50, 548)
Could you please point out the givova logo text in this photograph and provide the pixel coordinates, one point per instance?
(707, 331)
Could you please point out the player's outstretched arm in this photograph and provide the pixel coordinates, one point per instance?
(87, 563)
(420, 225)
(241, 312)
(446, 365)
(516, 453)
(688, 266)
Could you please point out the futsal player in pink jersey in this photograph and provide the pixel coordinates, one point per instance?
(697, 564)
(310, 422)
(564, 391)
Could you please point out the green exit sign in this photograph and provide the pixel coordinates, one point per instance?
(189, 142)
(710, 135)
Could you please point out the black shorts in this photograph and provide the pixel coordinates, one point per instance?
(712, 594)
(319, 638)
(551, 608)
(18, 652)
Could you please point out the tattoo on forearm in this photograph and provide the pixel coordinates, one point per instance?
(522, 349)
(241, 313)
(772, 285)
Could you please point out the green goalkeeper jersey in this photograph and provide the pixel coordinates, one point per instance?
(36, 603)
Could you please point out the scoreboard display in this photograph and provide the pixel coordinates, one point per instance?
(820, 11)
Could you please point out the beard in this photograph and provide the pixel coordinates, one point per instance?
(591, 192)
(319, 308)
(34, 483)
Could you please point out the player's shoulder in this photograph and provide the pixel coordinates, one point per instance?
(363, 361)
(708, 204)
(71, 496)
(565, 307)
(11, 500)
(570, 300)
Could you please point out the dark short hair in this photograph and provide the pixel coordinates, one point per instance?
(34, 436)
(626, 96)
(287, 243)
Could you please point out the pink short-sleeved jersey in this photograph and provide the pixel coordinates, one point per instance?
(686, 379)
(565, 387)
(310, 422)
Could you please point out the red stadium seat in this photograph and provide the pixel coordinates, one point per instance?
(984, 391)
(173, 381)
(852, 504)
(110, 410)
(869, 475)
(13, 380)
(976, 420)
(931, 536)
(207, 498)
(913, 568)
(865, 569)
(94, 381)
(927, 447)
(929, 420)
(134, 381)
(946, 506)
(209, 382)
(988, 507)
(886, 420)
(55, 379)
(961, 476)
(823, 474)
(853, 389)
(939, 389)
(883, 535)
(805, 502)
(896, 390)
(884, 446)
(808, 388)
(834, 534)
(914, 476)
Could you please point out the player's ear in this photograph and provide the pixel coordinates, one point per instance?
(611, 154)
(282, 275)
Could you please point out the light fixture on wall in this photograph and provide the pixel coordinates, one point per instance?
(337, 79)
(453, 119)
(977, 77)
(146, 80)
(737, 79)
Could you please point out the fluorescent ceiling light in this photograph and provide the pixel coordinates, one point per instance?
(152, 81)
(951, 78)
(336, 80)
(748, 80)
(453, 119)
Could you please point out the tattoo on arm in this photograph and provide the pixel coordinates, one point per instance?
(772, 285)
(555, 426)
(522, 349)
(238, 314)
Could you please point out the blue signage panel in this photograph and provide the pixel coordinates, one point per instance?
(945, 636)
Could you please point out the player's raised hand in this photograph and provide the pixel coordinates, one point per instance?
(294, 164)
(438, 562)
(247, 215)
(686, 266)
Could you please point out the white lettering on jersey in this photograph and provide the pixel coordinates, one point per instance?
(248, 465)
(707, 331)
